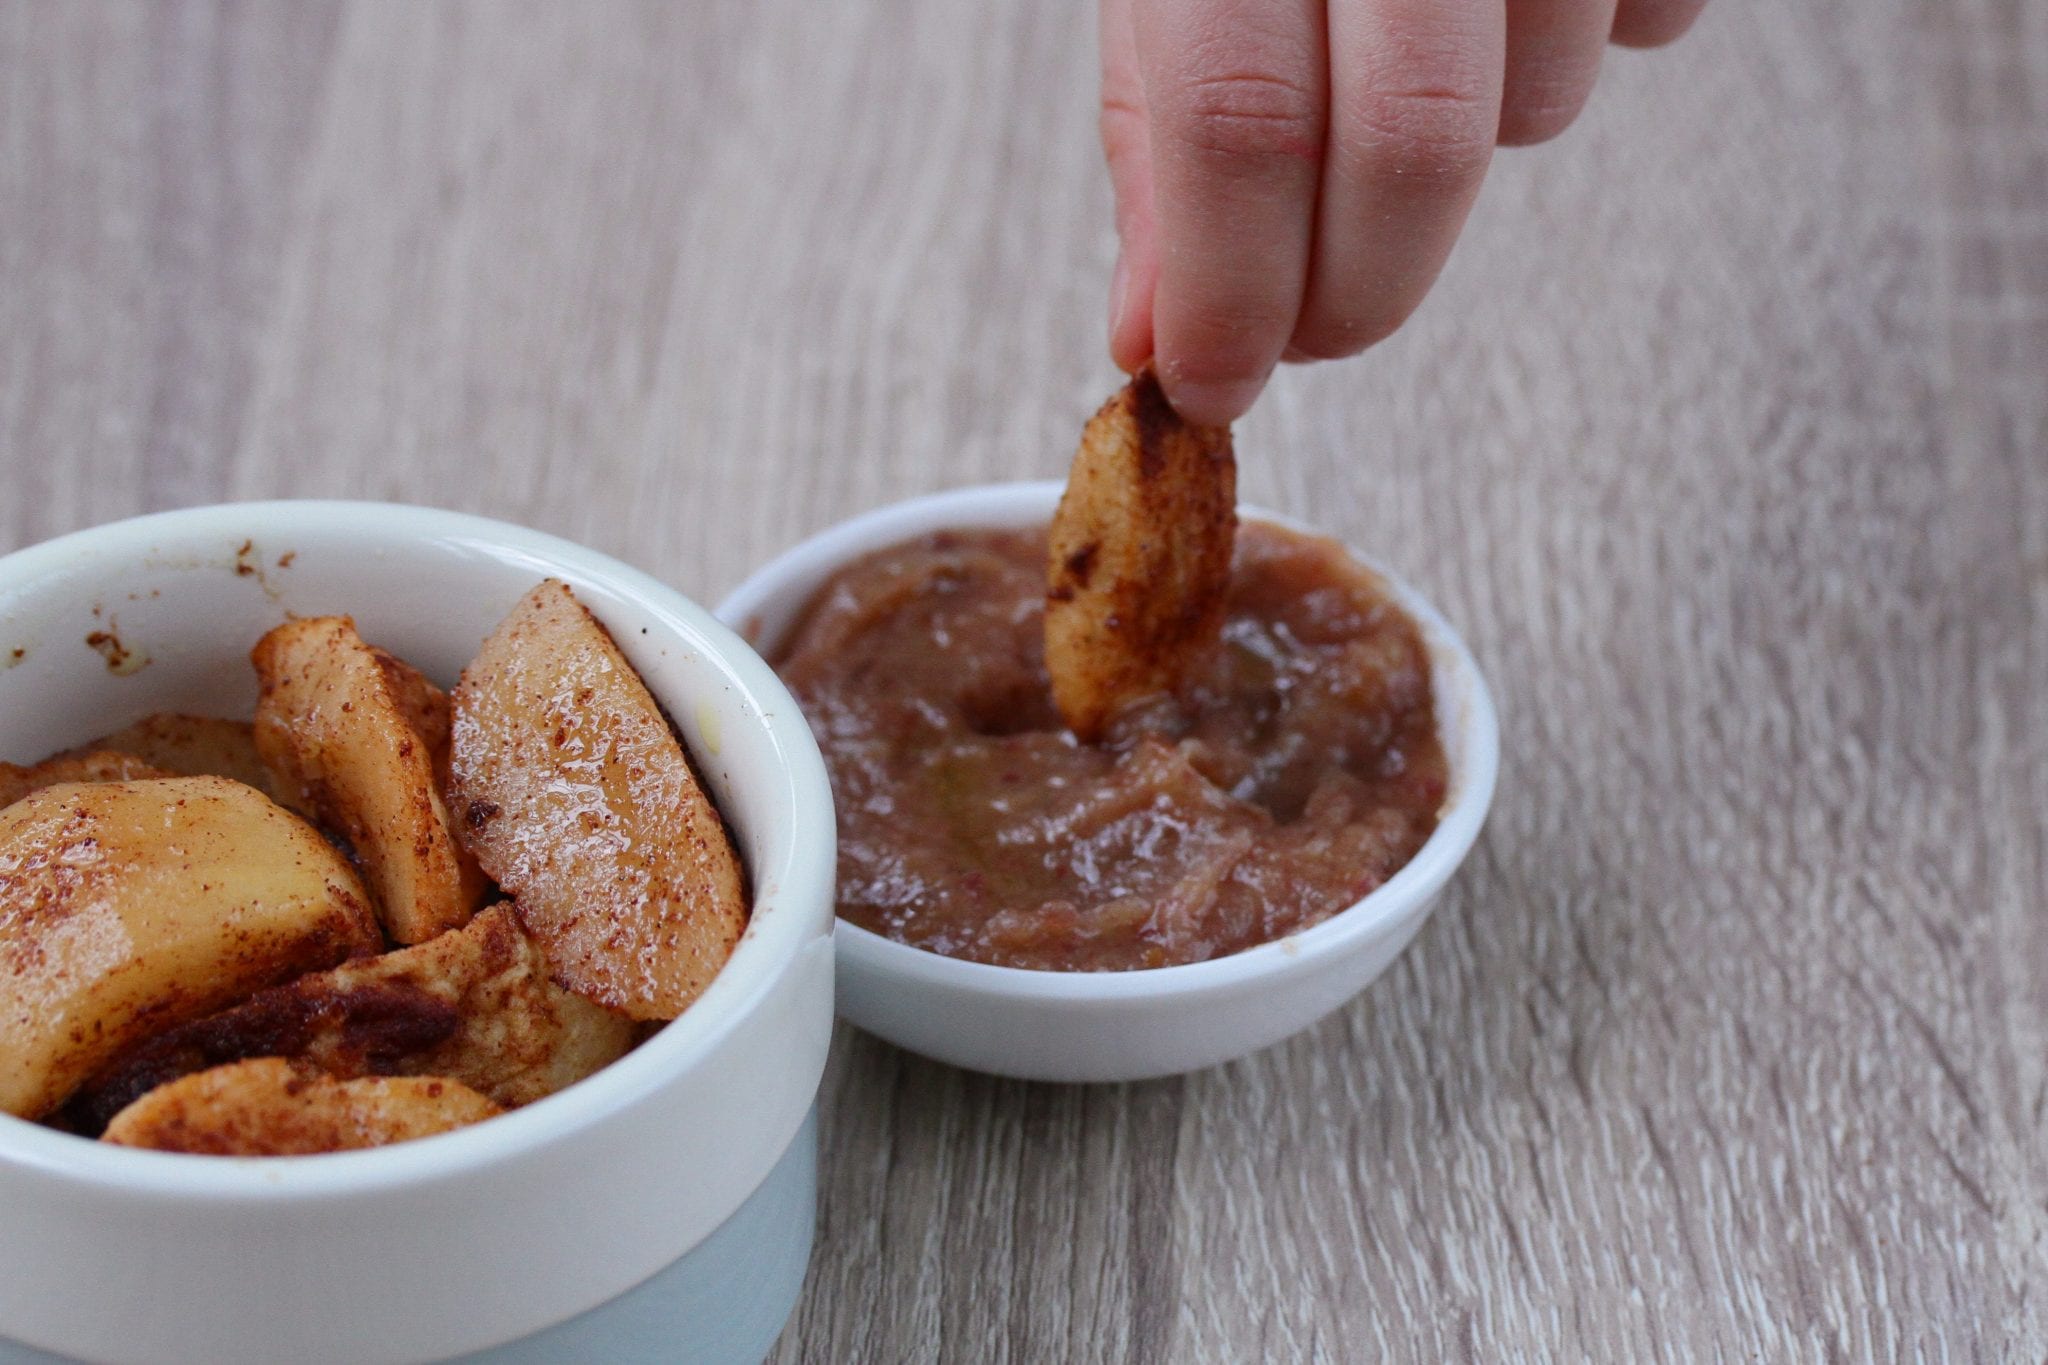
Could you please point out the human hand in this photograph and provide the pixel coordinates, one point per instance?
(1290, 175)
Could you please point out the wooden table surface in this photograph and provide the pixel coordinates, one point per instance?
(1724, 441)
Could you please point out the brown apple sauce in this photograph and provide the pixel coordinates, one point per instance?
(1298, 769)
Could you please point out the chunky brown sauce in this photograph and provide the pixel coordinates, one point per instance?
(1297, 771)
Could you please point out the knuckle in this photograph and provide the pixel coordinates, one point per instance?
(1538, 113)
(1441, 132)
(1249, 114)
(1121, 127)
(1123, 101)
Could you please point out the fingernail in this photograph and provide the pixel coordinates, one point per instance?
(1119, 297)
(1214, 405)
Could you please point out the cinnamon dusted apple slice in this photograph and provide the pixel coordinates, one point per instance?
(426, 708)
(347, 748)
(79, 765)
(474, 1005)
(1138, 567)
(131, 907)
(268, 1107)
(193, 746)
(576, 796)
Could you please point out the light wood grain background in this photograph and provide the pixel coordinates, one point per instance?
(1725, 441)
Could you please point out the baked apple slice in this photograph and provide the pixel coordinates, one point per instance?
(425, 707)
(1138, 563)
(575, 795)
(82, 765)
(193, 746)
(268, 1107)
(347, 750)
(130, 907)
(474, 1005)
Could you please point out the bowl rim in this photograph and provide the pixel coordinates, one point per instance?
(1029, 502)
(762, 958)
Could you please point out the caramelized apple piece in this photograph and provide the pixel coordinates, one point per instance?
(87, 765)
(425, 707)
(267, 1107)
(131, 907)
(1139, 561)
(474, 1004)
(575, 795)
(339, 737)
(193, 746)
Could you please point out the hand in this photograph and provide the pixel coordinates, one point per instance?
(1290, 174)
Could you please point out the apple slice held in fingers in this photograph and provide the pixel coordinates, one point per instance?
(1138, 563)
(347, 749)
(575, 795)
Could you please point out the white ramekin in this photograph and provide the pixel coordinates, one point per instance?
(1114, 1026)
(464, 1241)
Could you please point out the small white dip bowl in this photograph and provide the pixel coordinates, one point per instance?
(689, 1160)
(1118, 1026)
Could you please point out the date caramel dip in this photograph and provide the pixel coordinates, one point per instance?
(1296, 769)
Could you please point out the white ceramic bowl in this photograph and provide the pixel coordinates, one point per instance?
(1113, 1026)
(462, 1241)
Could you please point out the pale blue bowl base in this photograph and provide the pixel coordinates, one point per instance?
(723, 1303)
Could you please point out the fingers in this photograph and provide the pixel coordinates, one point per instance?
(1290, 175)
(1235, 91)
(1414, 110)
(1126, 145)
(1653, 23)
(1553, 57)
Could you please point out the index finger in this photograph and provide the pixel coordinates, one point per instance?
(1235, 92)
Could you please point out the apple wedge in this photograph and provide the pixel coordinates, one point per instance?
(347, 750)
(426, 708)
(81, 765)
(268, 1107)
(130, 907)
(576, 797)
(193, 746)
(1138, 563)
(474, 1005)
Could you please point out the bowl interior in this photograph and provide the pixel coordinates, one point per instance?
(158, 614)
